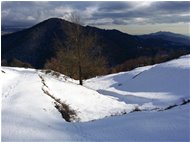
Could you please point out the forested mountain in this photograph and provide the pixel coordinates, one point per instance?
(35, 46)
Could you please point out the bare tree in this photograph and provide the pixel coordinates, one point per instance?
(79, 57)
(76, 36)
(78, 43)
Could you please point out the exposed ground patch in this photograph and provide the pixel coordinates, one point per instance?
(67, 113)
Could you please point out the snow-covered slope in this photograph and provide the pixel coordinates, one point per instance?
(24, 88)
(156, 86)
(29, 98)
(88, 104)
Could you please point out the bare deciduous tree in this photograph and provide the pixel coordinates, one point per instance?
(75, 37)
(80, 58)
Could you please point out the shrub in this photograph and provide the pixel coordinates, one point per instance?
(136, 109)
(17, 63)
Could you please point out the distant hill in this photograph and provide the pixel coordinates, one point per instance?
(38, 44)
(11, 29)
(176, 39)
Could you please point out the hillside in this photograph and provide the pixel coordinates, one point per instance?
(158, 85)
(38, 44)
(150, 103)
(176, 39)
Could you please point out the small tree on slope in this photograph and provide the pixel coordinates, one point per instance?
(79, 57)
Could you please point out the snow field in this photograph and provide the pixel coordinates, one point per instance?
(28, 114)
(159, 85)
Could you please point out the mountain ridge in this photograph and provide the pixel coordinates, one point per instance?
(37, 44)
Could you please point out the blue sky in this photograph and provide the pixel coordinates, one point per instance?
(136, 17)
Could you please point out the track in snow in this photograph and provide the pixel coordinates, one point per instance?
(67, 113)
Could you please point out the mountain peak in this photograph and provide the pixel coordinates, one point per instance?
(55, 19)
(167, 33)
(52, 22)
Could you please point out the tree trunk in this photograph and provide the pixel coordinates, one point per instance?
(80, 75)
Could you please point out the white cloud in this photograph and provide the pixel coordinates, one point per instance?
(30, 18)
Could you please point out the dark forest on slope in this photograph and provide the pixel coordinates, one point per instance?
(43, 45)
